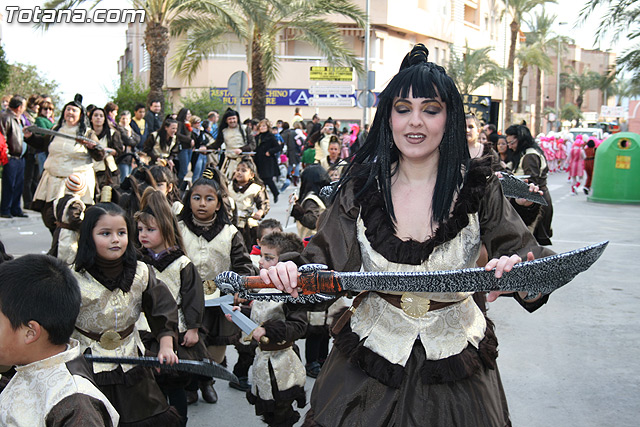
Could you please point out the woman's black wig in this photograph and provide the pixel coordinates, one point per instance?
(312, 179)
(525, 141)
(182, 115)
(82, 123)
(87, 254)
(421, 79)
(213, 178)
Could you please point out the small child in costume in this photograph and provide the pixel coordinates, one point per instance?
(308, 210)
(115, 289)
(251, 201)
(278, 375)
(246, 350)
(163, 250)
(266, 226)
(576, 164)
(69, 212)
(214, 245)
(53, 385)
(167, 182)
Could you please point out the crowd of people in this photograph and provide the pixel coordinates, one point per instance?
(145, 211)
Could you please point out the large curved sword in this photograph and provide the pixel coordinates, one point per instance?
(316, 283)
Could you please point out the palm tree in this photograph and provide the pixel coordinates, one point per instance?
(518, 10)
(579, 83)
(621, 17)
(528, 55)
(541, 36)
(257, 25)
(159, 15)
(625, 88)
(474, 69)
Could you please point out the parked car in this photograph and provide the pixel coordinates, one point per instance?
(586, 132)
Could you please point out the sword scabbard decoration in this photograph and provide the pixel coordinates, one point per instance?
(317, 284)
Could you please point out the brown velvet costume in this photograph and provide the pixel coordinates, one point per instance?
(357, 386)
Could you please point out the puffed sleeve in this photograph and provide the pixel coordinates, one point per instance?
(192, 296)
(262, 201)
(307, 214)
(97, 153)
(335, 244)
(531, 165)
(291, 329)
(502, 230)
(240, 261)
(160, 308)
(78, 410)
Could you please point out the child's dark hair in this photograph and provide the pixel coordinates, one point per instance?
(43, 289)
(267, 224)
(154, 205)
(312, 179)
(283, 242)
(86, 256)
(163, 174)
(251, 165)
(213, 178)
(4, 256)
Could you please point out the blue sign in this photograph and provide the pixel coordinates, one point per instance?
(281, 97)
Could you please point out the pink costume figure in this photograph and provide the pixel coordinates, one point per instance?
(547, 147)
(576, 163)
(561, 154)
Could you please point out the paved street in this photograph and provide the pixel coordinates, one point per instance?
(572, 363)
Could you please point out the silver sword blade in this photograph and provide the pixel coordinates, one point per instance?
(516, 188)
(216, 302)
(243, 322)
(205, 368)
(543, 275)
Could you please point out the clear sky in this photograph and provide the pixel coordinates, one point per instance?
(82, 58)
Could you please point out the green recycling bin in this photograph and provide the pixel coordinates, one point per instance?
(616, 170)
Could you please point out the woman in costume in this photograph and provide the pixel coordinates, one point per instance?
(529, 160)
(413, 200)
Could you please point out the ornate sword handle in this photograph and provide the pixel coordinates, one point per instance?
(313, 279)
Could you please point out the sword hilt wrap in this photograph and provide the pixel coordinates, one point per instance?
(312, 280)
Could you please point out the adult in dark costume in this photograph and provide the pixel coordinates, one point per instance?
(529, 159)
(413, 200)
(266, 157)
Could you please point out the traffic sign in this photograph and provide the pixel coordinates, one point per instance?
(331, 102)
(366, 99)
(331, 90)
(338, 74)
(237, 85)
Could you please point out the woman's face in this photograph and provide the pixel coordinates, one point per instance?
(71, 115)
(418, 126)
(172, 129)
(472, 131)
(46, 112)
(204, 202)
(482, 138)
(502, 146)
(262, 128)
(512, 142)
(113, 114)
(97, 118)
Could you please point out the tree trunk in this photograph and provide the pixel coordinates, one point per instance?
(538, 126)
(259, 86)
(579, 100)
(508, 103)
(521, 75)
(156, 38)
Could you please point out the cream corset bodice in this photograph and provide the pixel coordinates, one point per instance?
(444, 332)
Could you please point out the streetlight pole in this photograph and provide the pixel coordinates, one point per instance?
(367, 29)
(558, 120)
